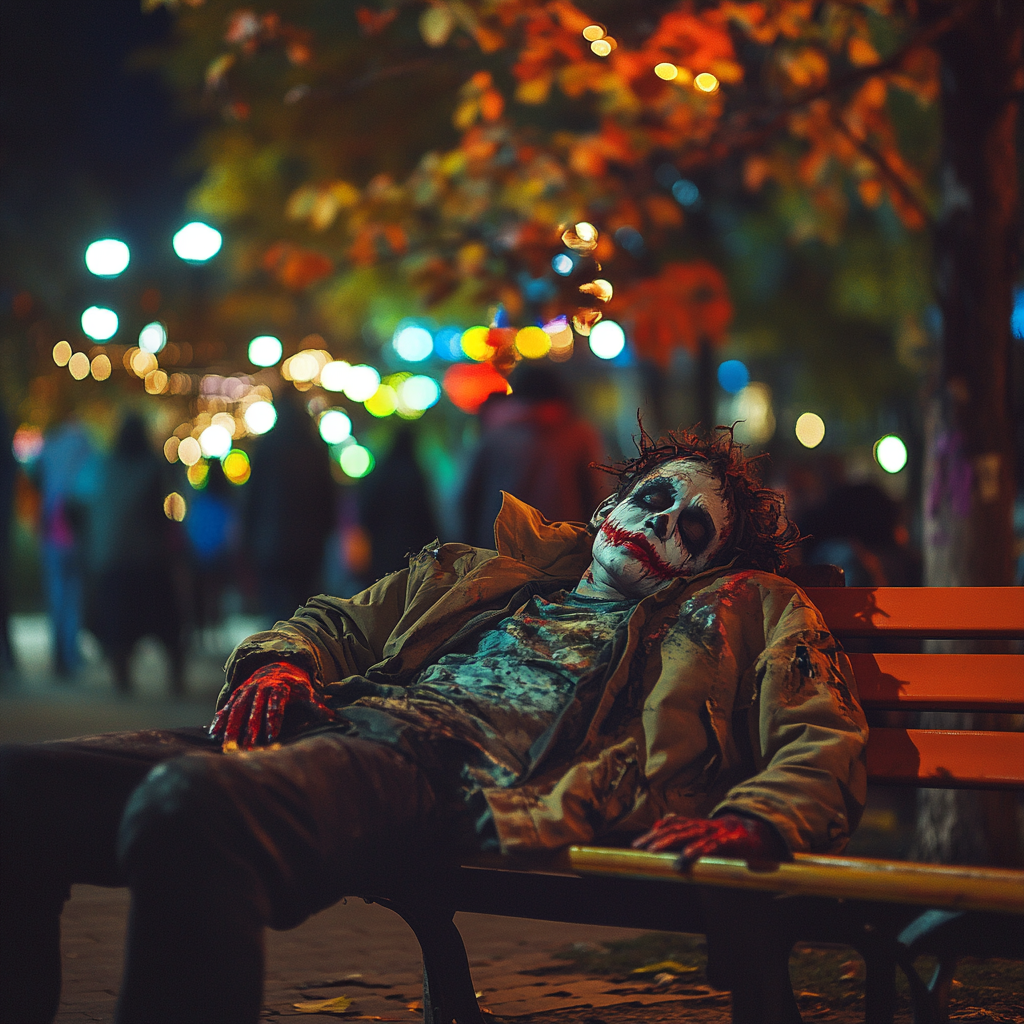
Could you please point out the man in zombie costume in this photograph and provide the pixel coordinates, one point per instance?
(646, 673)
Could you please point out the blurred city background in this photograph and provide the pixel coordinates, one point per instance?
(286, 292)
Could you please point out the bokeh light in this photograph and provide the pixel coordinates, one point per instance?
(581, 237)
(753, 406)
(602, 47)
(153, 337)
(413, 343)
(593, 32)
(475, 343)
(361, 381)
(78, 366)
(584, 320)
(891, 453)
(99, 323)
(171, 448)
(62, 352)
(383, 402)
(334, 374)
(335, 426)
(562, 264)
(175, 507)
(706, 82)
(733, 376)
(265, 350)
(215, 441)
(599, 289)
(107, 257)
(355, 461)
(533, 342)
(236, 467)
(100, 367)
(448, 343)
(197, 242)
(198, 474)
(189, 452)
(468, 385)
(259, 417)
(142, 363)
(302, 367)
(685, 192)
(419, 392)
(810, 429)
(667, 72)
(607, 339)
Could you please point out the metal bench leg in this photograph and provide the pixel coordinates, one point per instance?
(879, 986)
(448, 993)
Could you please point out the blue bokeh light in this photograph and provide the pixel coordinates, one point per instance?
(448, 343)
(685, 192)
(733, 376)
(1017, 317)
(562, 264)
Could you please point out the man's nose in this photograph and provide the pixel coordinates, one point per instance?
(659, 525)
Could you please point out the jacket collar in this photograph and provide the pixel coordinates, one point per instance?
(556, 549)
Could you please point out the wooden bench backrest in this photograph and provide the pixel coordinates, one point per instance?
(936, 682)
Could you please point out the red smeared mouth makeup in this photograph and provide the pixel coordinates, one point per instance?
(641, 548)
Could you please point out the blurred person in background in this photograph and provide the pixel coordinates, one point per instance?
(8, 472)
(860, 528)
(533, 444)
(211, 527)
(289, 511)
(65, 473)
(395, 508)
(132, 545)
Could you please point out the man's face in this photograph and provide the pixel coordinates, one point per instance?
(672, 524)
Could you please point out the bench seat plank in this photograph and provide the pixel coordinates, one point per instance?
(946, 759)
(981, 612)
(940, 682)
(861, 878)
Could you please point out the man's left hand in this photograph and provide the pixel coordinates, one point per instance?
(729, 835)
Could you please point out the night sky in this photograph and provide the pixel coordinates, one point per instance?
(87, 147)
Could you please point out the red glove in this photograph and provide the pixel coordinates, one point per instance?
(729, 835)
(255, 711)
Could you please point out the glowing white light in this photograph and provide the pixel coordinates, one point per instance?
(361, 383)
(153, 337)
(215, 441)
(334, 375)
(607, 339)
(413, 343)
(355, 460)
(99, 323)
(265, 350)
(107, 258)
(197, 242)
(335, 426)
(891, 453)
(260, 417)
(419, 392)
(810, 429)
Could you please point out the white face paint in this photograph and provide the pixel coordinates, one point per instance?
(672, 524)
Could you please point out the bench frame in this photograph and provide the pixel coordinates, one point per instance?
(753, 914)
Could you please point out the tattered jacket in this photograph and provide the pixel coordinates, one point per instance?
(726, 691)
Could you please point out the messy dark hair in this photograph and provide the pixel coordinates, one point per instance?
(762, 533)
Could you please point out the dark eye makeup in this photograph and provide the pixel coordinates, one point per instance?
(696, 530)
(654, 496)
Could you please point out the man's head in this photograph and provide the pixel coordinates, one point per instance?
(687, 504)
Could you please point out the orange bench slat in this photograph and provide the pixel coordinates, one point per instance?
(943, 682)
(953, 612)
(946, 759)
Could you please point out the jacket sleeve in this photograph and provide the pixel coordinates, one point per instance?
(808, 734)
(329, 637)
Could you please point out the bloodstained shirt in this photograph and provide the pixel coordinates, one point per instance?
(490, 704)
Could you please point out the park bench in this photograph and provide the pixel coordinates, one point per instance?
(891, 912)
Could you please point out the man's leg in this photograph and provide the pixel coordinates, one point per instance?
(216, 847)
(60, 805)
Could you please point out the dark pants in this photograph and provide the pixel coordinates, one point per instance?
(213, 846)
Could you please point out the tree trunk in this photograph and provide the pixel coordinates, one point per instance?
(968, 480)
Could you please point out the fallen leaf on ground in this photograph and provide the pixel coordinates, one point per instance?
(665, 967)
(339, 1004)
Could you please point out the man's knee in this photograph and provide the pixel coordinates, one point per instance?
(174, 816)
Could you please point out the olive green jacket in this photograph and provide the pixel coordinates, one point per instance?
(726, 692)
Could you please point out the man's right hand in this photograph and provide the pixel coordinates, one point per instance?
(255, 711)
